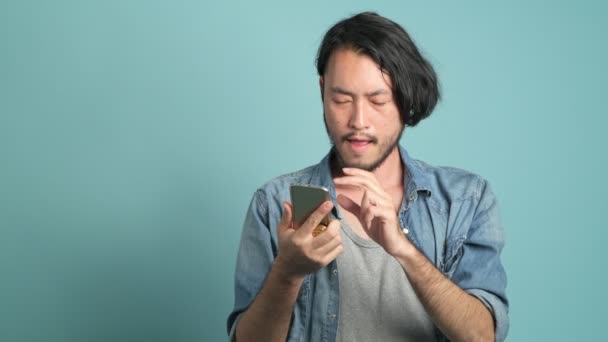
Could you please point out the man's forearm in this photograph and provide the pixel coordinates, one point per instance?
(268, 317)
(460, 316)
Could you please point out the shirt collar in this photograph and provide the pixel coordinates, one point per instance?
(416, 178)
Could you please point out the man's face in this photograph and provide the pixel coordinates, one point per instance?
(361, 117)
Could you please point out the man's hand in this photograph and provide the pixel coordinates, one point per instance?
(376, 212)
(300, 253)
(460, 316)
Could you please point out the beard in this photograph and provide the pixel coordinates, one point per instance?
(385, 149)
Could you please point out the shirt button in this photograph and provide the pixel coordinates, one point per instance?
(334, 272)
(332, 316)
(405, 231)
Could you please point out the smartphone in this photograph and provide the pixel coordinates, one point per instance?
(305, 199)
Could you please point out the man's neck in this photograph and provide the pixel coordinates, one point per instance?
(389, 174)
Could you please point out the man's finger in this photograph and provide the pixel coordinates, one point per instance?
(332, 229)
(315, 218)
(329, 246)
(368, 218)
(348, 204)
(329, 257)
(330, 236)
(359, 172)
(286, 219)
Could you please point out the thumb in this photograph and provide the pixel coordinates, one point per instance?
(286, 219)
(350, 205)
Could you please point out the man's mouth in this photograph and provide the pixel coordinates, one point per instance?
(358, 144)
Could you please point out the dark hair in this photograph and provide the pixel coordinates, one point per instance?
(415, 84)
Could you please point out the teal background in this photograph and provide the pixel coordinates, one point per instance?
(133, 134)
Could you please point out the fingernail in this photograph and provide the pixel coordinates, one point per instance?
(327, 205)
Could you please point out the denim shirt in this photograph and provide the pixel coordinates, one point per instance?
(451, 216)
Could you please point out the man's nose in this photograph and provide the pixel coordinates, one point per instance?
(359, 116)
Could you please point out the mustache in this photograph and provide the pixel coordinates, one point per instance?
(353, 135)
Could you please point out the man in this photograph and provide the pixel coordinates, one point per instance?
(412, 252)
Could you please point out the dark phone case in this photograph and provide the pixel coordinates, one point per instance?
(306, 199)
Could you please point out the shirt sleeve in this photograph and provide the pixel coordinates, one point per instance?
(254, 259)
(479, 271)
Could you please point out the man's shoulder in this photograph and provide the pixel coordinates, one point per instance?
(451, 183)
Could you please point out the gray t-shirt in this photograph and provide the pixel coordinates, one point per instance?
(377, 301)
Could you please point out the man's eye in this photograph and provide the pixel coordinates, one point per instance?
(341, 101)
(377, 103)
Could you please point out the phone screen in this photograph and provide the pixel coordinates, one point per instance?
(306, 199)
